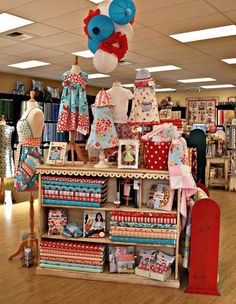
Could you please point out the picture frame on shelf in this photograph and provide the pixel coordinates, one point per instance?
(231, 99)
(128, 153)
(56, 153)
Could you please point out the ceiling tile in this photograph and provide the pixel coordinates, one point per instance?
(231, 15)
(69, 21)
(223, 6)
(44, 9)
(42, 53)
(19, 48)
(151, 43)
(7, 42)
(150, 5)
(80, 45)
(192, 24)
(145, 32)
(55, 40)
(6, 4)
(41, 30)
(176, 13)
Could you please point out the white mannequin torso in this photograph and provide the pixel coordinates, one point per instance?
(34, 116)
(120, 98)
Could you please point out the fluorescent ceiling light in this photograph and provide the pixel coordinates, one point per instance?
(28, 64)
(215, 32)
(9, 22)
(96, 1)
(229, 60)
(85, 54)
(162, 68)
(98, 75)
(197, 80)
(165, 90)
(218, 86)
(128, 85)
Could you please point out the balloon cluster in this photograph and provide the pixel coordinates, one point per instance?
(108, 29)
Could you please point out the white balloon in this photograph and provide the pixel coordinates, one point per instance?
(104, 7)
(126, 29)
(104, 62)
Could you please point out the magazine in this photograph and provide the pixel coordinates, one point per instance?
(94, 224)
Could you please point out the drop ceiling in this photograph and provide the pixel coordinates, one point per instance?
(58, 31)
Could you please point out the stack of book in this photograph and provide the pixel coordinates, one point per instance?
(71, 191)
(143, 227)
(72, 256)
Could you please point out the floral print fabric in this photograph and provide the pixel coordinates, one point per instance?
(6, 161)
(73, 112)
(103, 133)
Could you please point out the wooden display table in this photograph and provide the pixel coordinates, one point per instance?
(221, 181)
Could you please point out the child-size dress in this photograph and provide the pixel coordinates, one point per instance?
(73, 112)
(144, 107)
(103, 133)
(6, 160)
(27, 157)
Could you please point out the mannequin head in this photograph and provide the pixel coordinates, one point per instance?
(2, 121)
(116, 84)
(31, 102)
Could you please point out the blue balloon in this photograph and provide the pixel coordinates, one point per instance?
(100, 27)
(93, 45)
(122, 11)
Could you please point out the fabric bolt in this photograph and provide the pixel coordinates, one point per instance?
(27, 157)
(144, 107)
(142, 234)
(103, 133)
(71, 203)
(123, 131)
(73, 112)
(143, 225)
(6, 160)
(46, 264)
(143, 240)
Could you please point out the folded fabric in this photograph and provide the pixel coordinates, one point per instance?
(142, 240)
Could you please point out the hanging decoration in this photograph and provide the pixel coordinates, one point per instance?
(109, 28)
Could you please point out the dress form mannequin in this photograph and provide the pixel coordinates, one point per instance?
(32, 122)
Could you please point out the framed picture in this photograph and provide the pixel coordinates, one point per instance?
(94, 224)
(232, 99)
(56, 154)
(128, 153)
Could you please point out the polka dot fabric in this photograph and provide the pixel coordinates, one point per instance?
(156, 155)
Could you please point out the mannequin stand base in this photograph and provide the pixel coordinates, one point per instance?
(101, 164)
(32, 243)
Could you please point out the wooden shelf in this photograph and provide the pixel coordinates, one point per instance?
(108, 277)
(110, 207)
(89, 170)
(105, 240)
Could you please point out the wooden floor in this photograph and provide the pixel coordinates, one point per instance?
(19, 285)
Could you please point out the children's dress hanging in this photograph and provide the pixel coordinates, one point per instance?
(73, 112)
(6, 160)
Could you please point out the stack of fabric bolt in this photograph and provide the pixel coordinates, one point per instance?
(143, 227)
(70, 191)
(72, 256)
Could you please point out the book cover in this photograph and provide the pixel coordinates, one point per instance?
(161, 197)
(94, 224)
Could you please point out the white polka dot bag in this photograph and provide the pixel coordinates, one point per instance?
(156, 155)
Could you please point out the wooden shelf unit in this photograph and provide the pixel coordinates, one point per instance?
(147, 177)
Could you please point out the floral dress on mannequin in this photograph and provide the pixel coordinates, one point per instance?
(103, 133)
(27, 157)
(6, 160)
(144, 107)
(73, 112)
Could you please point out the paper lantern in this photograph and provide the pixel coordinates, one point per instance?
(126, 29)
(104, 62)
(100, 28)
(93, 45)
(104, 7)
(122, 11)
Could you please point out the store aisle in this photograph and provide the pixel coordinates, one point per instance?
(20, 285)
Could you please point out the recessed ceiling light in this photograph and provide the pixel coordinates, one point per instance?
(85, 54)
(229, 60)
(98, 75)
(9, 22)
(165, 90)
(197, 80)
(218, 86)
(162, 68)
(28, 64)
(96, 1)
(215, 32)
(128, 85)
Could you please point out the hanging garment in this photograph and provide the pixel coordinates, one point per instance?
(144, 107)
(103, 133)
(27, 157)
(6, 160)
(73, 113)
